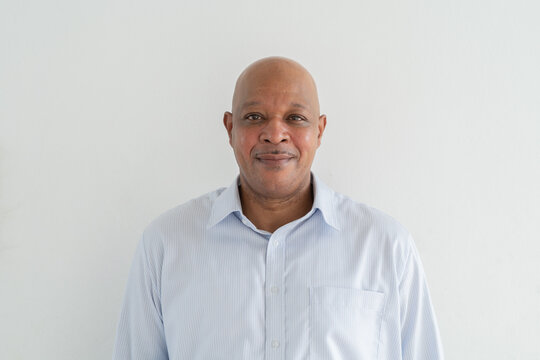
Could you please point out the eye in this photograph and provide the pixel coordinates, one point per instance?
(296, 118)
(253, 117)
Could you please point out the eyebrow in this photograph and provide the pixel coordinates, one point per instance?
(299, 106)
(250, 103)
(253, 103)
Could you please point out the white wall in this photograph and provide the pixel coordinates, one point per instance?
(110, 113)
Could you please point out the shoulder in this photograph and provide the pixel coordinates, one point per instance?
(191, 214)
(352, 211)
(352, 216)
(372, 224)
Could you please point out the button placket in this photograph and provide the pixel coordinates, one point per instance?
(275, 311)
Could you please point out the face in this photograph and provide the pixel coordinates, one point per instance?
(275, 129)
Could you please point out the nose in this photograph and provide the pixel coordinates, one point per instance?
(275, 131)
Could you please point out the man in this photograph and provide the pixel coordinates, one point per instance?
(277, 266)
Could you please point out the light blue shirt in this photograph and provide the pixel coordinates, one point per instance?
(342, 282)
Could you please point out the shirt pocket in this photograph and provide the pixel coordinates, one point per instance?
(344, 323)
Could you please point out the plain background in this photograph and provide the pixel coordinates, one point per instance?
(111, 113)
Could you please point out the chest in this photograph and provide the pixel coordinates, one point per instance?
(295, 296)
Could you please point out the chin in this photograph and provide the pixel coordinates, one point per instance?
(280, 186)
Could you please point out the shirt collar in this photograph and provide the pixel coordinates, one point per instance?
(325, 201)
(228, 202)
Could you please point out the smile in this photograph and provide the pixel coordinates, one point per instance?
(274, 159)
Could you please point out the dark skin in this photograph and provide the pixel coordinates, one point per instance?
(275, 129)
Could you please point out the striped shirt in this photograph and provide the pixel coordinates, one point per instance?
(343, 282)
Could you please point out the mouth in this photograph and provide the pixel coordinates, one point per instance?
(274, 159)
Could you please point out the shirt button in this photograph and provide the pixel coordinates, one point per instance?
(275, 344)
(276, 243)
(274, 289)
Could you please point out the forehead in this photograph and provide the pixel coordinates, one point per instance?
(296, 92)
(274, 93)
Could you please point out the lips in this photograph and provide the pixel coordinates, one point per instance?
(274, 159)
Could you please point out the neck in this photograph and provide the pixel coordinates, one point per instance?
(269, 214)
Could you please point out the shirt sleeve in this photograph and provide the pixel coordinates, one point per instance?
(420, 339)
(140, 332)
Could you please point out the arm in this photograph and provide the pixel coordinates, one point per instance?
(140, 333)
(419, 333)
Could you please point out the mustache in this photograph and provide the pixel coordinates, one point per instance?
(274, 152)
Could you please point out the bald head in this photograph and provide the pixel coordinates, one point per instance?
(276, 72)
(275, 129)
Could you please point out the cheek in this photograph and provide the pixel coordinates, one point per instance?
(307, 141)
(243, 143)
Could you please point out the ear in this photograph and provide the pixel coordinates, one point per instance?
(227, 121)
(321, 126)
